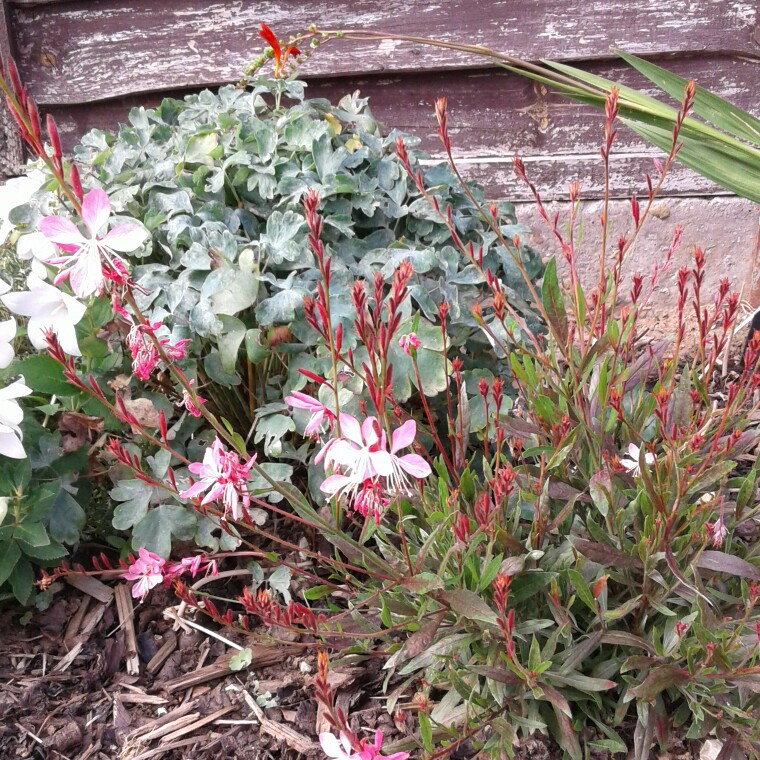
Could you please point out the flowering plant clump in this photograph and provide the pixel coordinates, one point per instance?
(579, 557)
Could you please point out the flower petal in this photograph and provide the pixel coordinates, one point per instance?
(87, 273)
(124, 238)
(382, 463)
(335, 483)
(61, 231)
(351, 429)
(415, 465)
(403, 436)
(7, 330)
(6, 355)
(10, 446)
(15, 390)
(96, 208)
(331, 745)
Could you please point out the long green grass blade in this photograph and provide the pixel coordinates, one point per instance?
(710, 107)
(734, 169)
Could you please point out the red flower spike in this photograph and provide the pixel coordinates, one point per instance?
(271, 39)
(55, 141)
(76, 182)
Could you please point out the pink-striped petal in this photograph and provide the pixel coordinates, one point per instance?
(62, 231)
(96, 208)
(334, 483)
(351, 429)
(403, 436)
(87, 273)
(125, 238)
(415, 465)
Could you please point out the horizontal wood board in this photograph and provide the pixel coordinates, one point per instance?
(78, 52)
(494, 115)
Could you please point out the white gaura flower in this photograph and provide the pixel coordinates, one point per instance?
(632, 464)
(7, 334)
(35, 247)
(11, 415)
(47, 308)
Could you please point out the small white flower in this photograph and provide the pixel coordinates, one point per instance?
(7, 334)
(35, 247)
(632, 464)
(47, 308)
(3, 508)
(11, 415)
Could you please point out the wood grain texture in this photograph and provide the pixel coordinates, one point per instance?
(77, 52)
(11, 150)
(558, 139)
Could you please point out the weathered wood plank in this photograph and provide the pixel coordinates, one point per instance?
(70, 50)
(11, 150)
(556, 137)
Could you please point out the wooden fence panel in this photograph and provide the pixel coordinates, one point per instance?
(89, 62)
(75, 52)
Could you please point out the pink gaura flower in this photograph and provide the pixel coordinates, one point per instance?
(91, 259)
(717, 531)
(319, 412)
(224, 476)
(408, 342)
(362, 456)
(193, 407)
(147, 570)
(193, 565)
(371, 499)
(372, 751)
(145, 354)
(176, 350)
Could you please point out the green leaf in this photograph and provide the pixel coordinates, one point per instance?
(46, 553)
(10, 554)
(199, 148)
(281, 308)
(22, 581)
(279, 582)
(229, 342)
(554, 306)
(422, 583)
(711, 108)
(659, 678)
(582, 589)
(135, 496)
(43, 374)
(155, 530)
(32, 533)
(469, 605)
(67, 518)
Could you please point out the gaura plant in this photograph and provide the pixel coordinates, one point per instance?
(199, 202)
(581, 561)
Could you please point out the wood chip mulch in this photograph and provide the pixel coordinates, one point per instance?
(96, 677)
